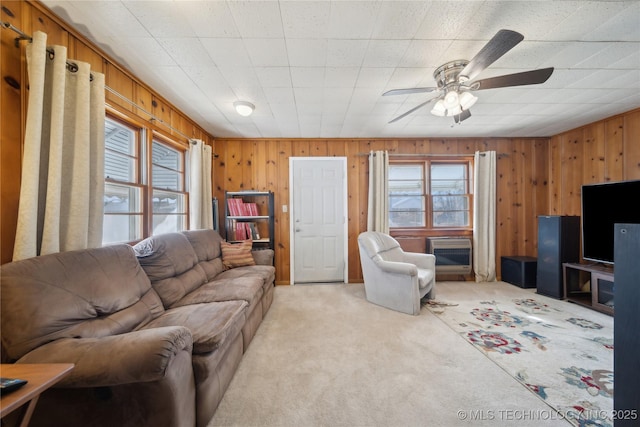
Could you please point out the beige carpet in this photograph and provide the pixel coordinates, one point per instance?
(324, 356)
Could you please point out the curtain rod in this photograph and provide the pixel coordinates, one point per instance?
(153, 118)
(22, 35)
(498, 155)
(71, 66)
(420, 155)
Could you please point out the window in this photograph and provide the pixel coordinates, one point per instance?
(169, 206)
(430, 194)
(123, 192)
(142, 200)
(449, 195)
(407, 191)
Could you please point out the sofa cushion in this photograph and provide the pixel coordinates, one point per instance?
(378, 243)
(87, 293)
(172, 265)
(424, 277)
(206, 244)
(394, 254)
(266, 273)
(237, 254)
(247, 289)
(211, 324)
(212, 267)
(263, 256)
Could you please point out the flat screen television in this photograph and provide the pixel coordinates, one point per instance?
(603, 206)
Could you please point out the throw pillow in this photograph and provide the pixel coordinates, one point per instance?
(237, 254)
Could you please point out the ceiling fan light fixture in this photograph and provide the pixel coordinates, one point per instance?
(467, 99)
(244, 108)
(455, 79)
(451, 100)
(454, 111)
(439, 109)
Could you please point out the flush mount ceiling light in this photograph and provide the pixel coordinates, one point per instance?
(244, 108)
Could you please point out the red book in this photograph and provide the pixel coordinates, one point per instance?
(253, 209)
(234, 206)
(244, 210)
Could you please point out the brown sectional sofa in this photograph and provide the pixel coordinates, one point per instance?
(156, 331)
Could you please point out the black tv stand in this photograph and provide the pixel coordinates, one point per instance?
(590, 285)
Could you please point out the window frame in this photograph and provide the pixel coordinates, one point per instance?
(425, 162)
(172, 144)
(145, 137)
(422, 195)
(139, 179)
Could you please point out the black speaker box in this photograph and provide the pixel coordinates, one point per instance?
(519, 270)
(558, 242)
(626, 374)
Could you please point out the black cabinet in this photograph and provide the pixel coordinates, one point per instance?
(626, 363)
(558, 242)
(519, 270)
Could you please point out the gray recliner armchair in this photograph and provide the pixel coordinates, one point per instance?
(393, 278)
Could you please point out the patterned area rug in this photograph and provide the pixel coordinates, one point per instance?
(561, 352)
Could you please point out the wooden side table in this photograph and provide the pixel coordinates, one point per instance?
(39, 376)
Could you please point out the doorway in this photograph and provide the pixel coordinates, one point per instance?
(318, 197)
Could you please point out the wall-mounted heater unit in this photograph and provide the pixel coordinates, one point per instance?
(453, 255)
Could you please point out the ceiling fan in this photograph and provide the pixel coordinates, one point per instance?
(454, 79)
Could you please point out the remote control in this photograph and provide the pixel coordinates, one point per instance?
(10, 384)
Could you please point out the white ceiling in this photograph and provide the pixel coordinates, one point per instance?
(317, 69)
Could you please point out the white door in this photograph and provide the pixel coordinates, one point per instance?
(318, 219)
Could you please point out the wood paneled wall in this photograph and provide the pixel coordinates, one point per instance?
(607, 150)
(263, 164)
(30, 17)
(536, 176)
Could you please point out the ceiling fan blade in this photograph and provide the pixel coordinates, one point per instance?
(532, 77)
(501, 43)
(410, 111)
(459, 118)
(409, 91)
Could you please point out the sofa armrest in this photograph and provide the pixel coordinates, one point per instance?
(396, 267)
(426, 261)
(139, 356)
(263, 256)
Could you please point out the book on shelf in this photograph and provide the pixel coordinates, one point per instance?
(231, 229)
(235, 206)
(231, 207)
(242, 231)
(252, 209)
(253, 228)
(238, 207)
(237, 230)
